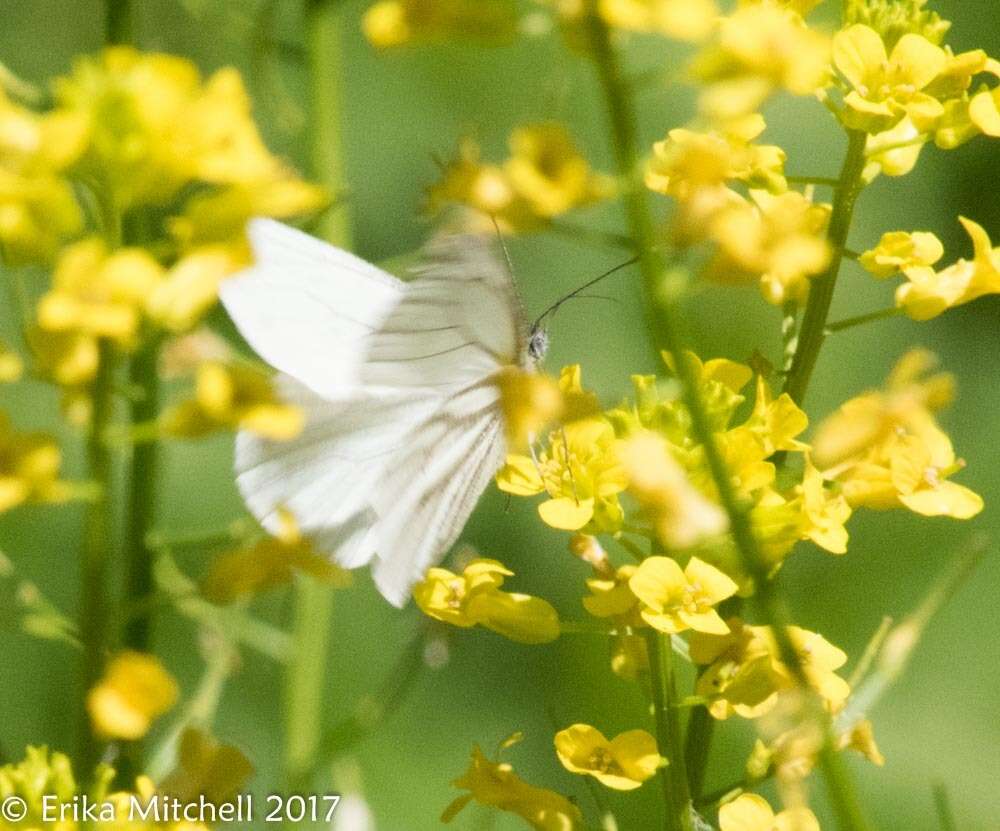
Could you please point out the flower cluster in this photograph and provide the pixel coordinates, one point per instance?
(544, 177)
(137, 184)
(474, 598)
(46, 784)
(639, 470)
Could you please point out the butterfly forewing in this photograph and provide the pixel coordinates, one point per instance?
(306, 307)
(403, 425)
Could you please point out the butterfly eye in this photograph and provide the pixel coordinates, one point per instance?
(538, 344)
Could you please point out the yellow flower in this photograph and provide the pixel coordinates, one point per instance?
(11, 365)
(676, 600)
(887, 450)
(688, 161)
(39, 774)
(391, 23)
(29, 468)
(918, 476)
(623, 763)
(887, 87)
(205, 767)
(761, 47)
(530, 401)
(233, 397)
(825, 511)
(682, 19)
(778, 240)
(792, 755)
(546, 169)
(681, 515)
(133, 103)
(819, 659)
(485, 188)
(136, 690)
(719, 383)
(899, 251)
(544, 177)
(907, 403)
(496, 785)
(749, 812)
(68, 358)
(738, 676)
(191, 286)
(272, 562)
(861, 737)
(802, 7)
(611, 595)
(218, 136)
(99, 294)
(894, 152)
(745, 673)
(37, 208)
(46, 784)
(984, 111)
(154, 127)
(580, 472)
(629, 657)
(776, 422)
(928, 293)
(474, 598)
(219, 216)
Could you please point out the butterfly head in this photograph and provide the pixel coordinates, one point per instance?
(538, 343)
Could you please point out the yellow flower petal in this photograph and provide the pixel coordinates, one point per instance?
(947, 499)
(708, 622)
(748, 812)
(566, 513)
(520, 617)
(858, 51)
(715, 585)
(655, 580)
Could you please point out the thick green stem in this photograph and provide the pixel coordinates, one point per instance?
(305, 680)
(666, 319)
(144, 379)
(814, 329)
(97, 543)
(676, 794)
(313, 613)
(323, 49)
(697, 747)
(117, 22)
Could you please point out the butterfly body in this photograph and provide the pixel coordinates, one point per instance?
(397, 380)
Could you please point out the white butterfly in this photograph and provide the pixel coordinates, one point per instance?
(404, 428)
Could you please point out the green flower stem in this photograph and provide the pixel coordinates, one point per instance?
(813, 330)
(323, 52)
(117, 22)
(305, 680)
(676, 795)
(665, 318)
(860, 320)
(313, 602)
(942, 805)
(697, 744)
(97, 542)
(144, 377)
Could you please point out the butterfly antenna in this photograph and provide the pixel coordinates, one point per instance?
(551, 310)
(503, 247)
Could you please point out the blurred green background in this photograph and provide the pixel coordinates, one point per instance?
(940, 724)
